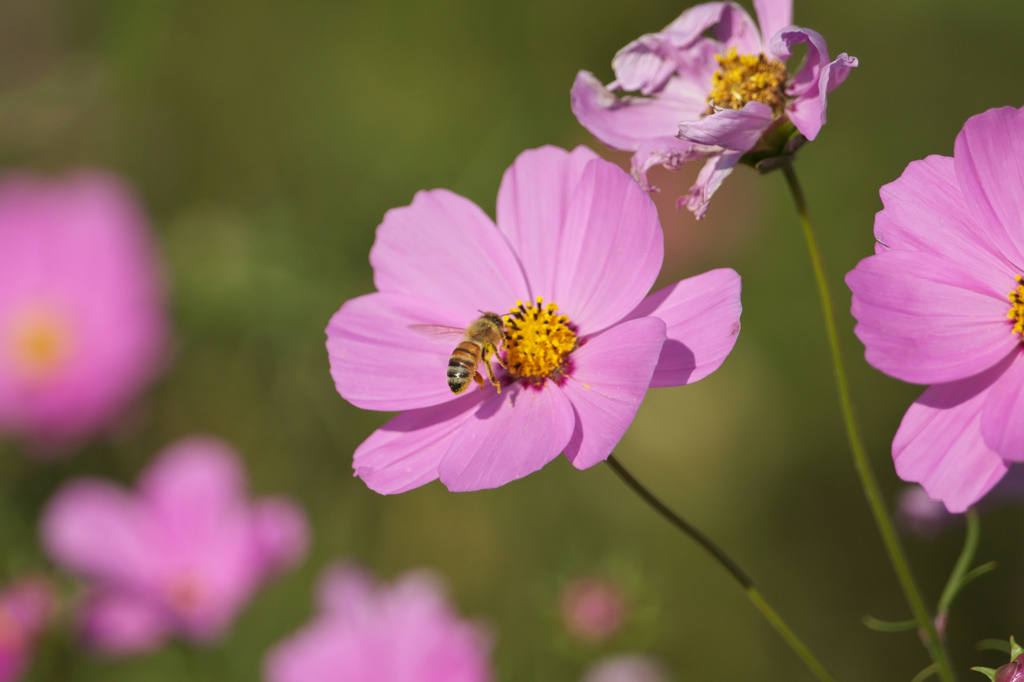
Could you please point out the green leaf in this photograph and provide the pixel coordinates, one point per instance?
(926, 673)
(996, 644)
(888, 625)
(977, 572)
(986, 671)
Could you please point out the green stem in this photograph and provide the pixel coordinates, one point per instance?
(861, 462)
(729, 564)
(963, 563)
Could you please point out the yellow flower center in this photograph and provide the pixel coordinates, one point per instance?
(537, 341)
(747, 78)
(39, 342)
(1017, 308)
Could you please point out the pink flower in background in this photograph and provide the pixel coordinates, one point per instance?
(83, 324)
(626, 668)
(25, 608)
(592, 609)
(709, 97)
(405, 632)
(941, 303)
(576, 248)
(921, 515)
(181, 556)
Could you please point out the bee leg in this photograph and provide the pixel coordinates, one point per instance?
(498, 358)
(490, 374)
(478, 379)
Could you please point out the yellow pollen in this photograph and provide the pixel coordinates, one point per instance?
(1017, 309)
(747, 78)
(537, 341)
(38, 343)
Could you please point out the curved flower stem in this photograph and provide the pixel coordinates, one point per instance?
(730, 565)
(963, 563)
(897, 556)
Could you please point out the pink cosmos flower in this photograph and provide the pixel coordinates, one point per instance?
(626, 668)
(941, 303)
(710, 97)
(83, 325)
(180, 556)
(25, 609)
(576, 248)
(406, 632)
(592, 609)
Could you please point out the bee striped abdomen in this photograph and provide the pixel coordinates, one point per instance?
(462, 366)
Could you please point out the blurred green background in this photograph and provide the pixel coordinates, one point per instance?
(268, 137)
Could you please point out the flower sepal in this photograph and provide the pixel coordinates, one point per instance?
(777, 147)
(1012, 671)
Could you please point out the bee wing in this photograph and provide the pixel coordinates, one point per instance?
(437, 332)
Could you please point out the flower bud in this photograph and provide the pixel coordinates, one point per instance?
(1011, 672)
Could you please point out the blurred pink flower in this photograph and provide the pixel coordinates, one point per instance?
(406, 632)
(592, 609)
(181, 556)
(572, 230)
(83, 325)
(25, 609)
(712, 96)
(626, 668)
(921, 515)
(941, 303)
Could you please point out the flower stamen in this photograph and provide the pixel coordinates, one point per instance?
(538, 341)
(1017, 308)
(747, 78)
(39, 343)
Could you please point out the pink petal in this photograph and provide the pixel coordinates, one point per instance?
(924, 320)
(533, 201)
(1002, 421)
(346, 589)
(30, 603)
(511, 435)
(925, 211)
(690, 26)
(806, 81)
(702, 314)
(444, 248)
(987, 159)
(810, 87)
(627, 122)
(710, 178)
(939, 443)
(95, 528)
(405, 453)
(670, 152)
(626, 668)
(737, 29)
(734, 129)
(120, 624)
(610, 376)
(191, 483)
(379, 363)
(772, 17)
(645, 64)
(281, 532)
(611, 249)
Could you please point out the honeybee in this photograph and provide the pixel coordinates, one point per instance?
(479, 341)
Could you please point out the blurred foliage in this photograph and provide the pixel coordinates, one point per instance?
(268, 137)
